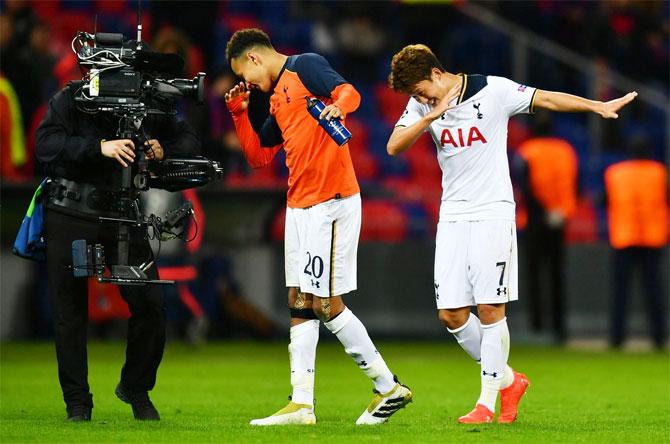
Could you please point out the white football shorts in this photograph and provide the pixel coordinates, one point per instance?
(321, 246)
(475, 263)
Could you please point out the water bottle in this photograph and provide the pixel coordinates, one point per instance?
(333, 127)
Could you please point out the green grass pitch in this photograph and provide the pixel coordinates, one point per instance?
(208, 394)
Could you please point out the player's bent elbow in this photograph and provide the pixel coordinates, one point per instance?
(392, 149)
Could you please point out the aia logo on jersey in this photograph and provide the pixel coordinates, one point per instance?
(459, 138)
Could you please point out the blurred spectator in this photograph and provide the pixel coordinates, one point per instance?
(632, 36)
(26, 58)
(549, 182)
(361, 43)
(222, 143)
(172, 40)
(14, 158)
(195, 18)
(638, 212)
(211, 120)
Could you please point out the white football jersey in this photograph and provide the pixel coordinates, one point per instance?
(471, 142)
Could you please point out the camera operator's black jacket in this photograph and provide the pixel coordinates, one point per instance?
(68, 141)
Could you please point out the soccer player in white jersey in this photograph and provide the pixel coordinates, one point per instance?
(475, 255)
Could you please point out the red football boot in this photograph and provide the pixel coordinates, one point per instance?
(479, 415)
(510, 397)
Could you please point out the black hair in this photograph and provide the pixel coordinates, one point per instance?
(245, 39)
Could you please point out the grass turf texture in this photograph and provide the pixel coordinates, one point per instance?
(209, 394)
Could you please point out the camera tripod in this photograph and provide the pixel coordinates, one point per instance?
(91, 258)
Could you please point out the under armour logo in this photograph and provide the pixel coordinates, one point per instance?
(494, 374)
(362, 363)
(476, 106)
(315, 283)
(288, 99)
(502, 290)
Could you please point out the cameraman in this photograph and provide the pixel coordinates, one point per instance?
(79, 152)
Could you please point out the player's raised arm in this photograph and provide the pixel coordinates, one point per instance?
(404, 137)
(562, 102)
(322, 80)
(258, 150)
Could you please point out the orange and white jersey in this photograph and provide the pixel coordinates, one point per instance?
(319, 169)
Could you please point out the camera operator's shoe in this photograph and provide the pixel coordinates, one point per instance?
(293, 413)
(79, 412)
(384, 405)
(143, 408)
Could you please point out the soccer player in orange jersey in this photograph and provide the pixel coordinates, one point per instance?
(475, 254)
(323, 215)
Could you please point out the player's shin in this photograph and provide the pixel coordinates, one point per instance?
(469, 337)
(302, 356)
(508, 374)
(495, 351)
(357, 343)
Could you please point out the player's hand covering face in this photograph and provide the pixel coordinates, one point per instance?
(250, 68)
(442, 105)
(239, 90)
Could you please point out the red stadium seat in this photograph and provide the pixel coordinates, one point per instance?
(107, 7)
(583, 225)
(67, 25)
(422, 159)
(390, 102)
(365, 164)
(383, 221)
(517, 133)
(240, 21)
(278, 225)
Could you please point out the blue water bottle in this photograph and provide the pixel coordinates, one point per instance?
(333, 127)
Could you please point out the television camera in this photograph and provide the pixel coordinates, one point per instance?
(125, 79)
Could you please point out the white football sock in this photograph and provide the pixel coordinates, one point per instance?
(495, 350)
(357, 344)
(302, 357)
(469, 337)
(508, 378)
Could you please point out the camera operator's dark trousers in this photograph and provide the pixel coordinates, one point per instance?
(69, 300)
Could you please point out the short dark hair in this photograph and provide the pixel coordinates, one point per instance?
(245, 39)
(411, 65)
